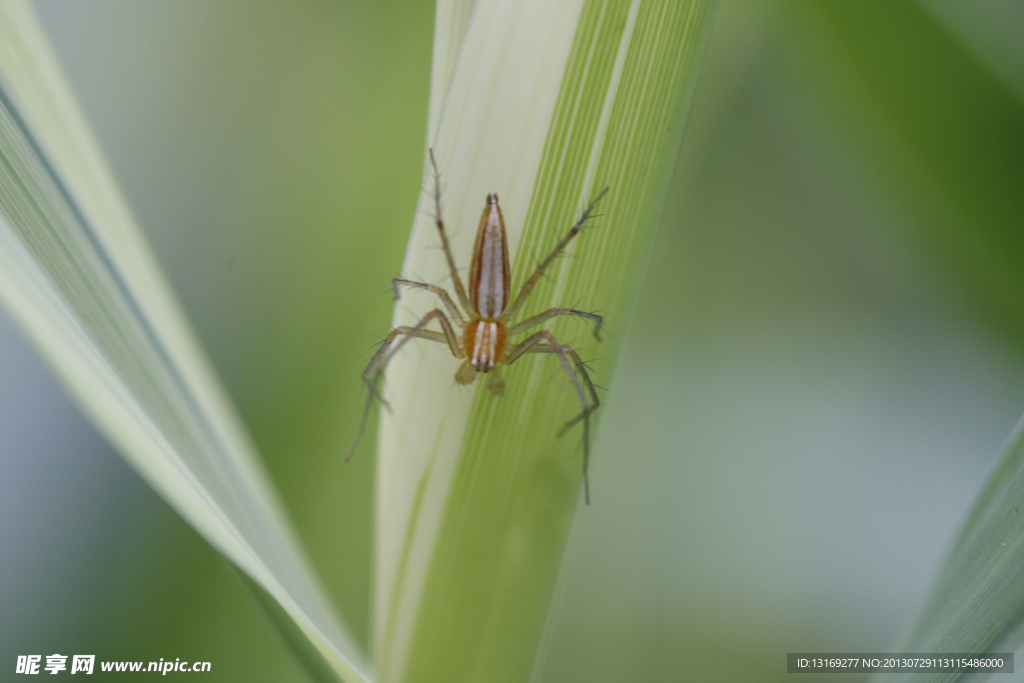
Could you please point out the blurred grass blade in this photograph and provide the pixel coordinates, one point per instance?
(450, 22)
(77, 275)
(977, 602)
(991, 30)
(547, 103)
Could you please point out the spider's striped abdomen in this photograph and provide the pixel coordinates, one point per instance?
(489, 271)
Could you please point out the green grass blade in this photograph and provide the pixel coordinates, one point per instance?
(977, 602)
(547, 104)
(450, 22)
(77, 275)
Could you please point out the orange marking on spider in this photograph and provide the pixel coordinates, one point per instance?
(487, 323)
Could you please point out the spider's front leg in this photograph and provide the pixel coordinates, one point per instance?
(375, 368)
(581, 368)
(534, 344)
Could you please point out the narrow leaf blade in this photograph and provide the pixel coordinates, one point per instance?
(977, 602)
(77, 275)
(548, 104)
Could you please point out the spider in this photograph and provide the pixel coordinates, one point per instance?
(487, 325)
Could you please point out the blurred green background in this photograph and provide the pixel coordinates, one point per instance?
(827, 354)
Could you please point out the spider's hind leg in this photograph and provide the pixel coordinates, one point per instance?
(460, 291)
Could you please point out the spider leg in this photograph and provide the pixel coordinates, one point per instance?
(375, 368)
(460, 291)
(511, 311)
(581, 368)
(551, 313)
(453, 310)
(532, 344)
(595, 401)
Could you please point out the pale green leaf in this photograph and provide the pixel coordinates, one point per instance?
(977, 603)
(77, 275)
(547, 103)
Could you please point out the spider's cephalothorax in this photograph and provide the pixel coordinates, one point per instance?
(487, 324)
